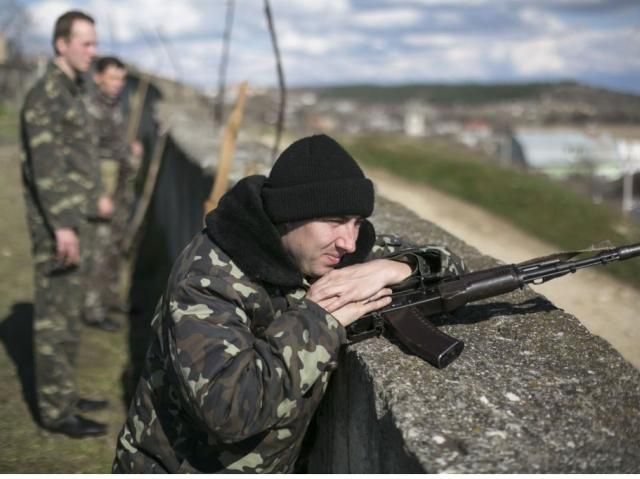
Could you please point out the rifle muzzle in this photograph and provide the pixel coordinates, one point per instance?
(629, 251)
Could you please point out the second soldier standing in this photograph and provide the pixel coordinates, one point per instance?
(117, 170)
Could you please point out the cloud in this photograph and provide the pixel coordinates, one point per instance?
(446, 3)
(432, 40)
(387, 18)
(339, 41)
(296, 7)
(317, 44)
(536, 58)
(44, 14)
(127, 19)
(540, 20)
(448, 19)
(591, 51)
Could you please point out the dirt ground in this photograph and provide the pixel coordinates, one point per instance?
(606, 307)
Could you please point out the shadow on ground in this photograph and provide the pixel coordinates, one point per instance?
(16, 333)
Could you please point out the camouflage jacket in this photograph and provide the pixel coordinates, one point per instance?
(240, 359)
(110, 122)
(59, 161)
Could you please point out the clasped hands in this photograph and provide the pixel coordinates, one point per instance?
(353, 291)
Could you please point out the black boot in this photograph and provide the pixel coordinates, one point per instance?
(78, 427)
(88, 405)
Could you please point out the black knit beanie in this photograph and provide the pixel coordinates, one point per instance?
(315, 178)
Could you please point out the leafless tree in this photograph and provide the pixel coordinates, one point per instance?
(281, 83)
(224, 60)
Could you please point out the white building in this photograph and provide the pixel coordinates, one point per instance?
(563, 152)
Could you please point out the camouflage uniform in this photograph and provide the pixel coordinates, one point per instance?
(61, 191)
(116, 171)
(240, 358)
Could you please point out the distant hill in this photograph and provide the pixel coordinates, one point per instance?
(439, 94)
(561, 100)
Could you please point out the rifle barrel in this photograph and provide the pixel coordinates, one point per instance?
(532, 273)
(454, 292)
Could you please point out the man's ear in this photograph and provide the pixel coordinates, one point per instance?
(61, 45)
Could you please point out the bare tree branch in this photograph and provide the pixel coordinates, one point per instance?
(224, 59)
(283, 91)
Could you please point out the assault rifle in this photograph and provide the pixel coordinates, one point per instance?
(407, 315)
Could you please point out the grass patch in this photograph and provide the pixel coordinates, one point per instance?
(543, 208)
(8, 125)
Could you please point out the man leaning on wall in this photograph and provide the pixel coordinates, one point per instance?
(251, 323)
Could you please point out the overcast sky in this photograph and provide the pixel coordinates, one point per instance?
(376, 41)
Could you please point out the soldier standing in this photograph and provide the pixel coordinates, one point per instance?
(249, 329)
(118, 168)
(62, 187)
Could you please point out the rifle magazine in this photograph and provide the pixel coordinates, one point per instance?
(416, 333)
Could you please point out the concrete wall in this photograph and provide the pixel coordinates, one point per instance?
(532, 392)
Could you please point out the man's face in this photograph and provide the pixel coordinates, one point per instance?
(317, 246)
(111, 81)
(79, 50)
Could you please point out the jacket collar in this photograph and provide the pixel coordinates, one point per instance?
(75, 87)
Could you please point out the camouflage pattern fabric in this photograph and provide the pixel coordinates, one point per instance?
(58, 299)
(111, 129)
(432, 262)
(236, 369)
(119, 168)
(59, 152)
(105, 261)
(61, 191)
(103, 273)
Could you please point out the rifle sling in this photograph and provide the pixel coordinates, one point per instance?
(422, 338)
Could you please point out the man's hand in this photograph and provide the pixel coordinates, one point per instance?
(105, 207)
(359, 282)
(137, 149)
(351, 292)
(348, 313)
(67, 246)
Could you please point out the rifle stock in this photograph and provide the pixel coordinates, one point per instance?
(407, 316)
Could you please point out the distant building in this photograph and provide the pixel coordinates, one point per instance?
(564, 152)
(629, 151)
(475, 134)
(417, 118)
(415, 123)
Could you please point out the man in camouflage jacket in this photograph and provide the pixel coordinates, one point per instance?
(251, 323)
(62, 185)
(117, 171)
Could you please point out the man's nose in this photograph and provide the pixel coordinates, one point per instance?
(348, 236)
